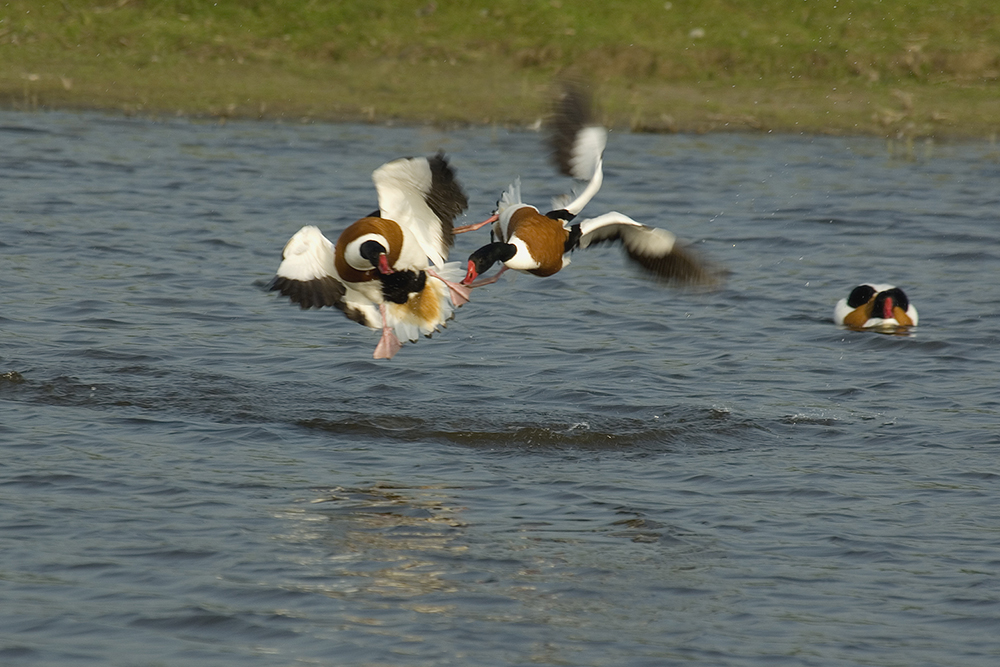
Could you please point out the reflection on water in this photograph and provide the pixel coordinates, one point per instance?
(379, 539)
(887, 329)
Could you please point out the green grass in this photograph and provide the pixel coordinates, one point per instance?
(898, 67)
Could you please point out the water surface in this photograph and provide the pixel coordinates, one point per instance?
(586, 469)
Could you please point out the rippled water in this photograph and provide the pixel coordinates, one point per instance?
(580, 470)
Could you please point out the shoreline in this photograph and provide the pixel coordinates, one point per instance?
(912, 112)
(767, 66)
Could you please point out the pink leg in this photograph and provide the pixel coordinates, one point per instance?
(388, 344)
(472, 228)
(459, 293)
(488, 281)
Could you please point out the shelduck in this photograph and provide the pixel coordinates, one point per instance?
(525, 239)
(388, 270)
(875, 307)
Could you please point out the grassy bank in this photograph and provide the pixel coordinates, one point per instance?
(895, 67)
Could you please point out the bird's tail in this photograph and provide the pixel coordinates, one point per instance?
(510, 197)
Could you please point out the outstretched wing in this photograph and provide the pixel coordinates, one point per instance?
(654, 250)
(307, 276)
(577, 141)
(424, 197)
(577, 145)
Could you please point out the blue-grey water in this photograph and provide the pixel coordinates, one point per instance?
(586, 469)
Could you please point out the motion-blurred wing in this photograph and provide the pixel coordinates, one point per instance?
(655, 250)
(577, 145)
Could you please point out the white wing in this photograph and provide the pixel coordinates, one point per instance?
(422, 195)
(586, 164)
(575, 204)
(654, 250)
(585, 156)
(308, 276)
(578, 144)
(636, 236)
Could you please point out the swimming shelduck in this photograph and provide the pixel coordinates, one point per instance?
(527, 240)
(875, 307)
(387, 270)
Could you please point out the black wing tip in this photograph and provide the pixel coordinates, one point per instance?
(446, 197)
(318, 293)
(681, 267)
(439, 163)
(572, 110)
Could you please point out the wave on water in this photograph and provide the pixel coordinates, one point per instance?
(547, 431)
(224, 399)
